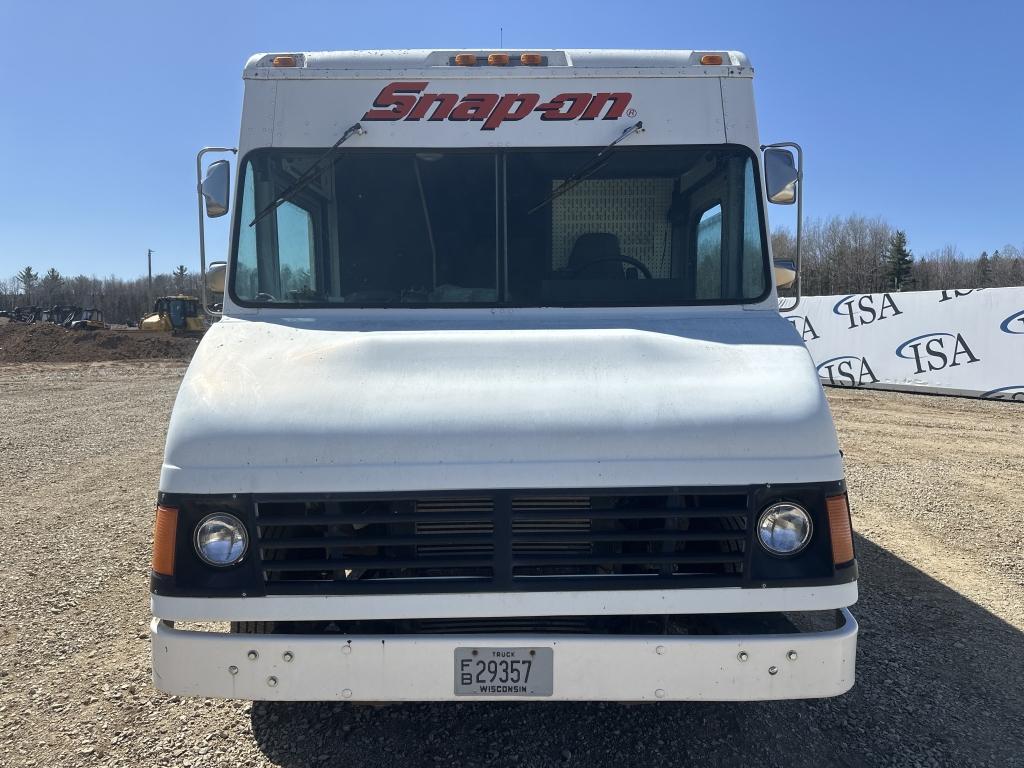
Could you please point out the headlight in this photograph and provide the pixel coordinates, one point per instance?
(221, 539)
(784, 528)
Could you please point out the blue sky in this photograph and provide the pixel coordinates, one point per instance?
(908, 110)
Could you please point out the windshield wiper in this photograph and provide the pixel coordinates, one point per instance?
(588, 169)
(292, 189)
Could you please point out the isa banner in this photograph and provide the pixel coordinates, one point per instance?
(966, 342)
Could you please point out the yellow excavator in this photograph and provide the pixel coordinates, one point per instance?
(180, 315)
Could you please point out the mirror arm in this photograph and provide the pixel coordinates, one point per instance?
(799, 212)
(202, 222)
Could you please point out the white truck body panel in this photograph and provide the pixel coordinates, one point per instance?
(419, 667)
(292, 406)
(620, 602)
(309, 114)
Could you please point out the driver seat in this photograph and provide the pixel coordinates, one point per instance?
(591, 246)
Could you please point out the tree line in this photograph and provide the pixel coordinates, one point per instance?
(840, 255)
(122, 300)
(854, 254)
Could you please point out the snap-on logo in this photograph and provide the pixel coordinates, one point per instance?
(864, 311)
(1013, 324)
(407, 101)
(847, 371)
(935, 351)
(1015, 392)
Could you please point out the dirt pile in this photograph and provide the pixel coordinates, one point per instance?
(45, 343)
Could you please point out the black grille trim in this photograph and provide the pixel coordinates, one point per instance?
(504, 541)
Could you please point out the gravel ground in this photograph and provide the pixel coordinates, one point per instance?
(935, 484)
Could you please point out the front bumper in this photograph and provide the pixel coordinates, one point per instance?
(586, 667)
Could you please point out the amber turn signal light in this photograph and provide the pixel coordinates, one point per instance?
(839, 524)
(711, 59)
(165, 531)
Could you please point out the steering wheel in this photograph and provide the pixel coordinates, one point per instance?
(621, 259)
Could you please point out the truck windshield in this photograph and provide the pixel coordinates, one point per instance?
(646, 227)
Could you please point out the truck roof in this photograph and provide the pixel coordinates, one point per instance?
(441, 62)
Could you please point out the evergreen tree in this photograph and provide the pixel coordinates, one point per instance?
(899, 262)
(984, 270)
(179, 276)
(28, 278)
(997, 261)
(52, 286)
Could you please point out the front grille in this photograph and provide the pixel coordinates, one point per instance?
(502, 542)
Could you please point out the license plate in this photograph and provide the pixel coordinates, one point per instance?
(504, 671)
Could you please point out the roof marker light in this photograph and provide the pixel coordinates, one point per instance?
(284, 61)
(465, 59)
(711, 59)
(531, 59)
(498, 59)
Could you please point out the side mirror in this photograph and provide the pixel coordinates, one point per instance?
(780, 175)
(785, 273)
(215, 276)
(216, 188)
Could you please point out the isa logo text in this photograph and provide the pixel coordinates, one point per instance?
(866, 309)
(936, 351)
(802, 325)
(846, 371)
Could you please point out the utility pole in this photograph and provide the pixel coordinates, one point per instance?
(149, 258)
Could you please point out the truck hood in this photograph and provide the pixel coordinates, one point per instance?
(304, 405)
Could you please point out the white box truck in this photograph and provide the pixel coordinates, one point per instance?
(502, 404)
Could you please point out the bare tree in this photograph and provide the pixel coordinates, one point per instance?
(841, 255)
